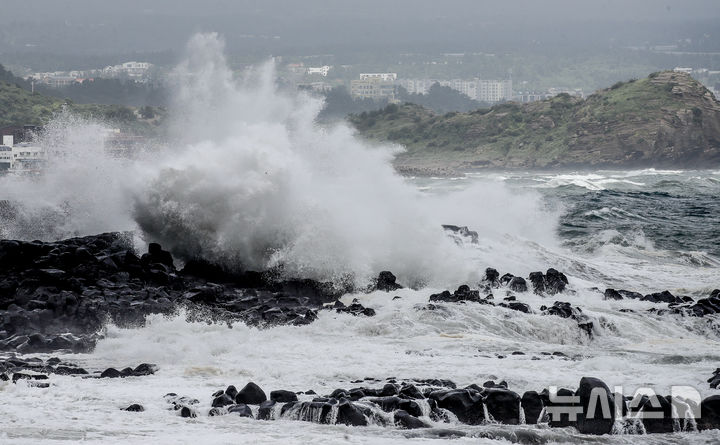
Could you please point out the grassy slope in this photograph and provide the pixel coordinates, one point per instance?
(539, 134)
(21, 107)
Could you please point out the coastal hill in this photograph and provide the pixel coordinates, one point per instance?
(19, 106)
(665, 120)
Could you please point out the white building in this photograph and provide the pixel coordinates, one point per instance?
(5, 158)
(322, 70)
(387, 77)
(494, 90)
(481, 90)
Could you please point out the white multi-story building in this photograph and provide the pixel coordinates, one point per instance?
(6, 160)
(386, 77)
(494, 90)
(322, 70)
(482, 90)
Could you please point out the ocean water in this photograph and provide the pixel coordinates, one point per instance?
(252, 181)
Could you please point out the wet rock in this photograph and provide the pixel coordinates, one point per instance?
(709, 413)
(283, 396)
(357, 309)
(386, 282)
(537, 280)
(156, 255)
(630, 294)
(135, 407)
(565, 310)
(492, 277)
(111, 373)
(466, 404)
(406, 421)
(517, 284)
(714, 381)
(145, 369)
(251, 394)
(532, 406)
(241, 410)
(187, 412)
(517, 306)
(265, 411)
(463, 293)
(410, 392)
(612, 294)
(349, 414)
(559, 407)
(594, 393)
(231, 392)
(657, 412)
(662, 297)
(503, 405)
(222, 400)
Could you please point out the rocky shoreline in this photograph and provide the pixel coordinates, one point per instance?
(418, 403)
(58, 297)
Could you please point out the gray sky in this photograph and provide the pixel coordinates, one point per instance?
(277, 26)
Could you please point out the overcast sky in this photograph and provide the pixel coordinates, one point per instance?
(95, 26)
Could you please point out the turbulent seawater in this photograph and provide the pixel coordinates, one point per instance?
(254, 182)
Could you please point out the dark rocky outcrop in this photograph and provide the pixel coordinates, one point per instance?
(553, 282)
(251, 394)
(598, 407)
(466, 404)
(714, 381)
(532, 406)
(566, 310)
(283, 396)
(709, 413)
(58, 295)
(386, 282)
(503, 405)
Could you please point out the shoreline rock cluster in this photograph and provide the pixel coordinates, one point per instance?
(58, 296)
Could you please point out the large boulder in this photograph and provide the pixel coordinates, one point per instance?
(503, 405)
(283, 396)
(560, 407)
(657, 413)
(466, 404)
(386, 282)
(349, 414)
(251, 394)
(598, 407)
(406, 421)
(532, 406)
(709, 413)
(518, 284)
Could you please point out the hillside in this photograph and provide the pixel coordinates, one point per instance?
(19, 106)
(665, 120)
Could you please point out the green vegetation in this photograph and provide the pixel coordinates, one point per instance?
(18, 106)
(637, 122)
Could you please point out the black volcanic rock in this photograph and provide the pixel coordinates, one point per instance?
(503, 405)
(57, 296)
(532, 406)
(386, 282)
(612, 294)
(710, 413)
(517, 284)
(662, 297)
(594, 392)
(283, 396)
(251, 394)
(466, 404)
(406, 421)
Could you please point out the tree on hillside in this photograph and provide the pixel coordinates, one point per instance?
(441, 99)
